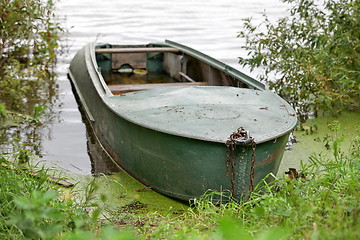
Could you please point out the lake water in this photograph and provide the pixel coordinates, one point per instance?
(210, 26)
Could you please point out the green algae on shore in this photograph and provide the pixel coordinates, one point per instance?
(313, 136)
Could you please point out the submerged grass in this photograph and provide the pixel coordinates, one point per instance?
(324, 204)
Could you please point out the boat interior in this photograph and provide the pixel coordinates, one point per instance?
(134, 68)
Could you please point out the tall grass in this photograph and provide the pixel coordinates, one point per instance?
(324, 204)
(33, 208)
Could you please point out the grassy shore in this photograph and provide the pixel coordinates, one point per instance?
(324, 204)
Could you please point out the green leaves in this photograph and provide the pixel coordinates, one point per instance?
(309, 57)
(3, 111)
(230, 229)
(29, 36)
(37, 219)
(38, 111)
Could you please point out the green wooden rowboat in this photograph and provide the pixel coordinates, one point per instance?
(180, 121)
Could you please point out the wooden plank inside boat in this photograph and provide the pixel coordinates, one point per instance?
(137, 50)
(135, 60)
(122, 89)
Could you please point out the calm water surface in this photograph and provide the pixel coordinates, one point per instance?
(210, 26)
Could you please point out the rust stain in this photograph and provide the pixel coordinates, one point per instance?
(270, 159)
(143, 189)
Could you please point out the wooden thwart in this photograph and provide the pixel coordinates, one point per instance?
(186, 77)
(121, 89)
(137, 50)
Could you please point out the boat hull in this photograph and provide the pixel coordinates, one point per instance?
(177, 166)
(185, 168)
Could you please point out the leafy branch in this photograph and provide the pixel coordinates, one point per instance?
(309, 57)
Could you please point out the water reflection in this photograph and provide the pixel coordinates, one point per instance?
(101, 162)
(23, 131)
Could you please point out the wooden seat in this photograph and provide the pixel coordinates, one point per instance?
(137, 50)
(121, 89)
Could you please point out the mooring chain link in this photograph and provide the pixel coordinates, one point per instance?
(252, 169)
(240, 137)
(230, 161)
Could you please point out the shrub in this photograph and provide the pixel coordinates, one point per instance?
(28, 40)
(309, 57)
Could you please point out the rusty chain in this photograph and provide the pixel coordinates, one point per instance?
(240, 137)
(230, 162)
(252, 169)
